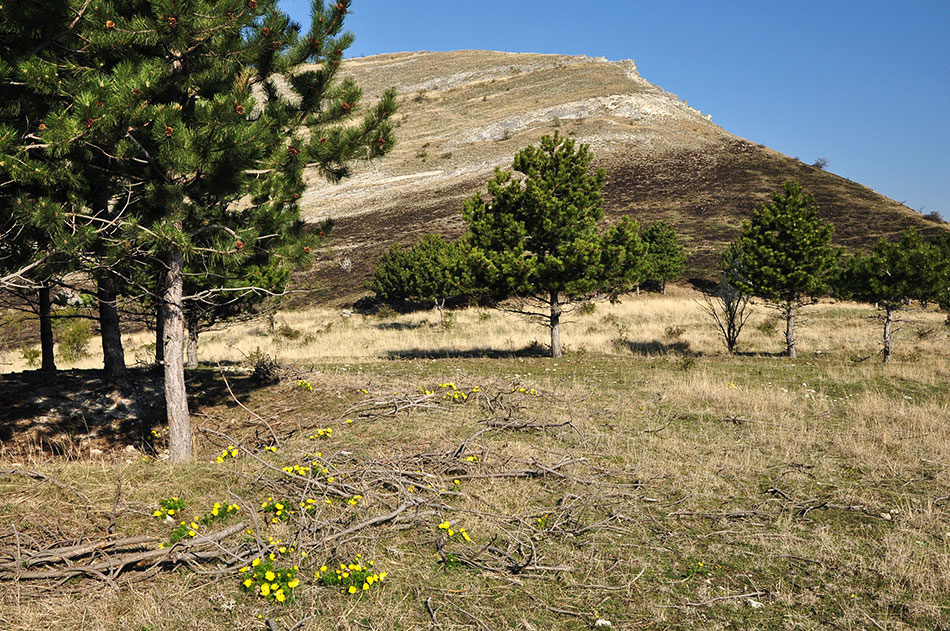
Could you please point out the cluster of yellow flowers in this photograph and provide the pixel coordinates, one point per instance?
(351, 578)
(451, 392)
(362, 390)
(525, 391)
(355, 500)
(278, 544)
(447, 527)
(186, 529)
(325, 432)
(279, 510)
(230, 452)
(303, 384)
(271, 448)
(297, 470)
(267, 581)
(168, 507)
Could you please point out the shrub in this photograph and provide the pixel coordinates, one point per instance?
(31, 356)
(266, 368)
(74, 336)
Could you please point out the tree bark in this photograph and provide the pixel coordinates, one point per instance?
(888, 321)
(176, 399)
(555, 325)
(160, 332)
(112, 353)
(46, 330)
(790, 339)
(192, 343)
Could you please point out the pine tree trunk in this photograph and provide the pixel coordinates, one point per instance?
(440, 305)
(159, 320)
(790, 331)
(112, 353)
(192, 343)
(663, 286)
(888, 321)
(555, 325)
(160, 333)
(176, 401)
(46, 330)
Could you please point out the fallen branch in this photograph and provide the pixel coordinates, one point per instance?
(184, 552)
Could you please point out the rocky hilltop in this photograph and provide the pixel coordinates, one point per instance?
(464, 113)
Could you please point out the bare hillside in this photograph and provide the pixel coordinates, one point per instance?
(462, 114)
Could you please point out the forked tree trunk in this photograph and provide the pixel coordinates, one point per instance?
(46, 331)
(176, 400)
(888, 322)
(790, 331)
(112, 353)
(192, 343)
(555, 325)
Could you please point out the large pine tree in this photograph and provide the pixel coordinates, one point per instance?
(194, 121)
(537, 239)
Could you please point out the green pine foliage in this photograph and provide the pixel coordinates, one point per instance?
(666, 258)
(892, 275)
(942, 272)
(537, 238)
(429, 272)
(785, 254)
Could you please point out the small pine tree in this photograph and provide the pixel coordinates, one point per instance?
(786, 256)
(942, 272)
(430, 271)
(666, 258)
(891, 276)
(537, 238)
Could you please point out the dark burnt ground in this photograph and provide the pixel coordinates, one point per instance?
(704, 195)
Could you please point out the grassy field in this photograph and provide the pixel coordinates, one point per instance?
(647, 479)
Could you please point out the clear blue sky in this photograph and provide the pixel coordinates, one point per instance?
(865, 84)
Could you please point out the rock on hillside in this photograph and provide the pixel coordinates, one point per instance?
(462, 114)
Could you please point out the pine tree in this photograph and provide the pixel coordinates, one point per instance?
(36, 247)
(786, 256)
(891, 276)
(194, 121)
(537, 238)
(666, 258)
(430, 271)
(942, 272)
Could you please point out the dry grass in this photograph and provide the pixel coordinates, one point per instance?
(651, 325)
(821, 485)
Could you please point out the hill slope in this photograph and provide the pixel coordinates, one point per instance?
(462, 114)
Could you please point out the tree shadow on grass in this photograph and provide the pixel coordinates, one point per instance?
(656, 348)
(401, 326)
(70, 412)
(532, 350)
(760, 354)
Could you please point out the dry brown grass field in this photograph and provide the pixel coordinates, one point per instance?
(647, 479)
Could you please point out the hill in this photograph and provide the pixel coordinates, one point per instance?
(464, 113)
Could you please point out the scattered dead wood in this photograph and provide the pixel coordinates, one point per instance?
(118, 556)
